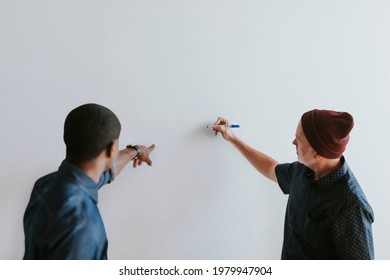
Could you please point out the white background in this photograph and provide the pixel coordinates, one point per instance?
(168, 68)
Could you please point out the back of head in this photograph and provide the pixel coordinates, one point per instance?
(88, 130)
(327, 131)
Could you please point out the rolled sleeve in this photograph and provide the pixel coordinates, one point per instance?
(107, 176)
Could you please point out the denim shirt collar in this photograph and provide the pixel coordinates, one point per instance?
(81, 179)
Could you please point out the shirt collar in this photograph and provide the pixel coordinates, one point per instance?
(332, 178)
(80, 178)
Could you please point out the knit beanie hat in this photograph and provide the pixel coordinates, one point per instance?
(327, 131)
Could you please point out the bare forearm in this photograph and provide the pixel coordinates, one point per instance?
(124, 157)
(263, 163)
(137, 153)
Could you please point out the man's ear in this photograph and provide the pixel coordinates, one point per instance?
(110, 149)
(315, 154)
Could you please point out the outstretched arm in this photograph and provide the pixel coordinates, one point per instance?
(128, 154)
(263, 163)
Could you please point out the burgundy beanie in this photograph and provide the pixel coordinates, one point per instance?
(327, 131)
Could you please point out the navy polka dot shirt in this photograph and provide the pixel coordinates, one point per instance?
(325, 219)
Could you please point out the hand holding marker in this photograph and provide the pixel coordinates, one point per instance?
(225, 125)
(222, 125)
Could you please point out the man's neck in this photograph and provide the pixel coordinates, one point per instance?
(92, 169)
(325, 166)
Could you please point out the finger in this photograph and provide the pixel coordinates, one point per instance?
(135, 163)
(218, 128)
(218, 121)
(152, 147)
(221, 121)
(139, 162)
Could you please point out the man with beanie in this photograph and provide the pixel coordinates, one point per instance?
(327, 215)
(62, 220)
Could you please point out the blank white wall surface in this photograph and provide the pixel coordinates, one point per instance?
(168, 68)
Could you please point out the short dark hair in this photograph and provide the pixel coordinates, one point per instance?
(88, 130)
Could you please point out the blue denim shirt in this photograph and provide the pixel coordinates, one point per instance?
(62, 220)
(325, 219)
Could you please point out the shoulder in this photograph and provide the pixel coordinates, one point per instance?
(352, 197)
(57, 195)
(287, 173)
(290, 169)
(42, 183)
(352, 188)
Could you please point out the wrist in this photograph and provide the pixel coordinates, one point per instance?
(137, 149)
(232, 139)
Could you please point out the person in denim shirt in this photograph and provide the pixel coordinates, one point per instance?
(62, 219)
(327, 214)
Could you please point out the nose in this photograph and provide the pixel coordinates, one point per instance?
(294, 142)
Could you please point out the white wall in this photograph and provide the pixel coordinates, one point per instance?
(168, 68)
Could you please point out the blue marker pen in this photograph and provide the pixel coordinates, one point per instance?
(227, 125)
